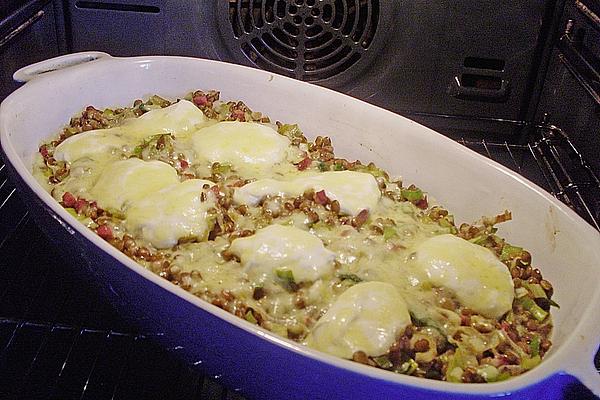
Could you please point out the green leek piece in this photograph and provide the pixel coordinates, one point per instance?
(285, 274)
(412, 194)
(290, 130)
(455, 374)
(503, 376)
(509, 252)
(323, 167)
(72, 211)
(389, 232)
(488, 372)
(407, 368)
(535, 310)
(222, 169)
(338, 167)
(250, 317)
(479, 239)
(521, 292)
(535, 289)
(286, 277)
(279, 330)
(529, 363)
(383, 362)
(534, 346)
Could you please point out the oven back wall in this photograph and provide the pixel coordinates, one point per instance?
(464, 58)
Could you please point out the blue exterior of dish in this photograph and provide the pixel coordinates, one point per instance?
(238, 359)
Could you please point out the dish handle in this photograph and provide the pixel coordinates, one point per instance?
(587, 375)
(29, 72)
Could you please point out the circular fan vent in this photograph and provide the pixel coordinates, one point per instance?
(306, 39)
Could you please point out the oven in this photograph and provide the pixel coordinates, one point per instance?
(517, 81)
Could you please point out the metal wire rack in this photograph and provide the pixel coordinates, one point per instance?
(59, 340)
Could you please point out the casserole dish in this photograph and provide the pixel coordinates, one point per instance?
(246, 357)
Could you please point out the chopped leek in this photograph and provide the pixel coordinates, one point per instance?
(536, 290)
(250, 317)
(535, 310)
(407, 368)
(529, 363)
(412, 194)
(521, 292)
(534, 346)
(455, 374)
(509, 252)
(389, 232)
(72, 211)
(323, 167)
(383, 362)
(286, 277)
(503, 376)
(290, 130)
(285, 274)
(488, 372)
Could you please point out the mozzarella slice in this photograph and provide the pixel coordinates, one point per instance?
(355, 191)
(283, 247)
(478, 279)
(241, 144)
(172, 213)
(180, 118)
(129, 180)
(94, 144)
(367, 317)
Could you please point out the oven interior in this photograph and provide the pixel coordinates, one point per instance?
(518, 82)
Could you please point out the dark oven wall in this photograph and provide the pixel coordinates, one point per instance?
(30, 31)
(468, 58)
(571, 95)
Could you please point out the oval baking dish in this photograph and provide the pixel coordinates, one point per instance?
(246, 357)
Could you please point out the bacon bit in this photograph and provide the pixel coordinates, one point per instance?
(69, 200)
(465, 320)
(321, 197)
(201, 100)
(184, 164)
(44, 151)
(239, 115)
(238, 183)
(501, 359)
(360, 219)
(215, 189)
(422, 203)
(105, 232)
(80, 204)
(305, 163)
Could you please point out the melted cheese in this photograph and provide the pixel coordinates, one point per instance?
(478, 279)
(97, 144)
(180, 118)
(172, 213)
(367, 317)
(355, 191)
(124, 182)
(283, 247)
(245, 145)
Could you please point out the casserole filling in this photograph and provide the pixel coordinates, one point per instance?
(258, 220)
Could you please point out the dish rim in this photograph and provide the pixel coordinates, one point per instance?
(545, 370)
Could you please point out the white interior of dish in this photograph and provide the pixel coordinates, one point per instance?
(564, 247)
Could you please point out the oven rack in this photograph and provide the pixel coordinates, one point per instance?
(59, 339)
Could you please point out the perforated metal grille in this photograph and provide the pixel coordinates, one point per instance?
(306, 39)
